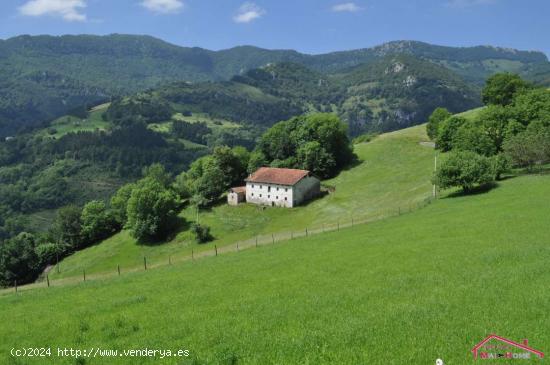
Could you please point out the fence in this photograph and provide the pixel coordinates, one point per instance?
(253, 242)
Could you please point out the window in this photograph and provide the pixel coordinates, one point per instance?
(286, 198)
(276, 198)
(277, 188)
(269, 189)
(252, 194)
(260, 186)
(252, 186)
(286, 190)
(269, 197)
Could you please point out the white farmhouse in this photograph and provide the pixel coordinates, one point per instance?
(281, 187)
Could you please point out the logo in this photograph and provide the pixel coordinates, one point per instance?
(496, 347)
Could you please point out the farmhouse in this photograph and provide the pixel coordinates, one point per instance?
(281, 187)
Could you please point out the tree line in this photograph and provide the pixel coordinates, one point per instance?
(511, 131)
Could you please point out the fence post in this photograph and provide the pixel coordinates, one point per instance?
(48, 280)
(291, 235)
(323, 228)
(145, 262)
(272, 238)
(84, 274)
(352, 221)
(338, 225)
(256, 241)
(192, 254)
(16, 286)
(399, 211)
(216, 249)
(306, 232)
(118, 269)
(237, 246)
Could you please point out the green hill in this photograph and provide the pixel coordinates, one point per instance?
(41, 77)
(393, 173)
(409, 289)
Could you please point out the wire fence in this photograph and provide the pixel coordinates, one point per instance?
(215, 250)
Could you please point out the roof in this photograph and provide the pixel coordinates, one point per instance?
(239, 189)
(510, 342)
(272, 175)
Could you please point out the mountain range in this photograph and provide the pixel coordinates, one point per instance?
(44, 77)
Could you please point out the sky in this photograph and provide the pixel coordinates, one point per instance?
(309, 26)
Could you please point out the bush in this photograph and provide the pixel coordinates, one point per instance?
(152, 210)
(201, 233)
(464, 169)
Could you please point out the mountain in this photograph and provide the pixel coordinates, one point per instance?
(391, 93)
(44, 77)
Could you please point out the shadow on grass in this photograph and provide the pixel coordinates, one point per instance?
(482, 189)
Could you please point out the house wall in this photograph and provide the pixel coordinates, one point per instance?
(306, 189)
(269, 194)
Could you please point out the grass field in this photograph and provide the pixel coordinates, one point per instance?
(393, 173)
(67, 124)
(404, 290)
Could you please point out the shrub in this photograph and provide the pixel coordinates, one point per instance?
(201, 233)
(464, 169)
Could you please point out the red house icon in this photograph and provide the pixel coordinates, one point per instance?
(523, 346)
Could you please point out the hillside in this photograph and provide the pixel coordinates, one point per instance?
(41, 77)
(425, 285)
(393, 173)
(392, 93)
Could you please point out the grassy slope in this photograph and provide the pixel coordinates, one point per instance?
(68, 124)
(393, 173)
(405, 290)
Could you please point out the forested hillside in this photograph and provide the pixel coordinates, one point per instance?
(44, 77)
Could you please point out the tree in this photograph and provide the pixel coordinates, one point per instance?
(158, 172)
(494, 121)
(152, 210)
(257, 160)
(98, 223)
(67, 227)
(315, 158)
(437, 117)
(448, 130)
(464, 169)
(471, 136)
(119, 203)
(501, 88)
(18, 260)
(530, 147)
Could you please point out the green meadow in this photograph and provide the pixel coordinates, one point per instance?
(392, 174)
(71, 124)
(404, 290)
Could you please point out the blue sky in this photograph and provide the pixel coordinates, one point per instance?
(311, 26)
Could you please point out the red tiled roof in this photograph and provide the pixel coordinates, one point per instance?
(239, 189)
(272, 175)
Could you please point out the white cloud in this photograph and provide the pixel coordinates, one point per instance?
(248, 12)
(468, 3)
(69, 10)
(163, 6)
(346, 7)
